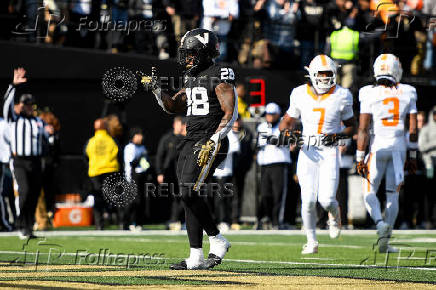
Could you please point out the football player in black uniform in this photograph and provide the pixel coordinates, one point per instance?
(209, 100)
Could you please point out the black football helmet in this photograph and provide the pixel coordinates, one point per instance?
(197, 50)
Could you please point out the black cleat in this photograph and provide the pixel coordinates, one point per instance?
(179, 266)
(212, 261)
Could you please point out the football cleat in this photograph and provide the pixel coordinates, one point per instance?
(189, 265)
(310, 248)
(387, 249)
(219, 246)
(383, 233)
(212, 261)
(334, 226)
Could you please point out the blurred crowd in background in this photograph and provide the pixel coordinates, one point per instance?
(116, 148)
(284, 34)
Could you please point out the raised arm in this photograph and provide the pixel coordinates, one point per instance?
(170, 103)
(8, 106)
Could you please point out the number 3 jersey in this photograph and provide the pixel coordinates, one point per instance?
(204, 111)
(389, 108)
(320, 114)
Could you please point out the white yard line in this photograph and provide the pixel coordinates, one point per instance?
(245, 261)
(229, 233)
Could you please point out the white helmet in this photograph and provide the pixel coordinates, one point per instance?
(322, 63)
(388, 66)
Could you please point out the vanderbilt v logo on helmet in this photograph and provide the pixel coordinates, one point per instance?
(198, 48)
(203, 39)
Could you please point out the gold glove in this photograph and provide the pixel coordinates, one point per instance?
(204, 154)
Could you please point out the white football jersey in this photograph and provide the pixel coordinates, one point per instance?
(321, 114)
(389, 108)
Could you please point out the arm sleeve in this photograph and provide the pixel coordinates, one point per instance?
(293, 110)
(8, 106)
(365, 105)
(347, 107)
(262, 136)
(413, 98)
(129, 155)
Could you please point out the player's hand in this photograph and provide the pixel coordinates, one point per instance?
(288, 137)
(362, 169)
(19, 76)
(150, 82)
(411, 165)
(329, 139)
(205, 151)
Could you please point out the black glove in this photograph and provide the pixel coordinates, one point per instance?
(332, 139)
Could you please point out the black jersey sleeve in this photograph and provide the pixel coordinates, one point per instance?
(226, 74)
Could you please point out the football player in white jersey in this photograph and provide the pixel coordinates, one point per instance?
(386, 105)
(324, 108)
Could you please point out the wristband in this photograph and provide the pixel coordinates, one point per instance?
(360, 155)
(412, 154)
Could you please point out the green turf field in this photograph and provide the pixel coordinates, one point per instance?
(127, 259)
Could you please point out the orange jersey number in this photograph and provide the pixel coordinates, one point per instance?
(395, 111)
(321, 118)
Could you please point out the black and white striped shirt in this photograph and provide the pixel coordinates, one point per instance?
(26, 134)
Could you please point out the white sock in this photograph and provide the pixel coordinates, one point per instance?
(373, 206)
(308, 214)
(391, 207)
(196, 254)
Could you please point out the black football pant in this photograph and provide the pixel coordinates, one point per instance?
(197, 214)
(99, 203)
(27, 172)
(133, 213)
(274, 189)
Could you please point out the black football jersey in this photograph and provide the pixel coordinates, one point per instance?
(204, 113)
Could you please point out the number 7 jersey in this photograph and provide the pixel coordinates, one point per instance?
(320, 114)
(389, 108)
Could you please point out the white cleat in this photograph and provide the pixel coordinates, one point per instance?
(334, 224)
(383, 233)
(310, 248)
(387, 249)
(219, 245)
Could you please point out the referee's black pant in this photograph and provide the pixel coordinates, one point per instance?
(274, 189)
(27, 172)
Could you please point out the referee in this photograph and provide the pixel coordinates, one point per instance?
(26, 134)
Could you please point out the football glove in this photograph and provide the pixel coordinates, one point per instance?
(205, 152)
(362, 169)
(288, 137)
(331, 139)
(150, 82)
